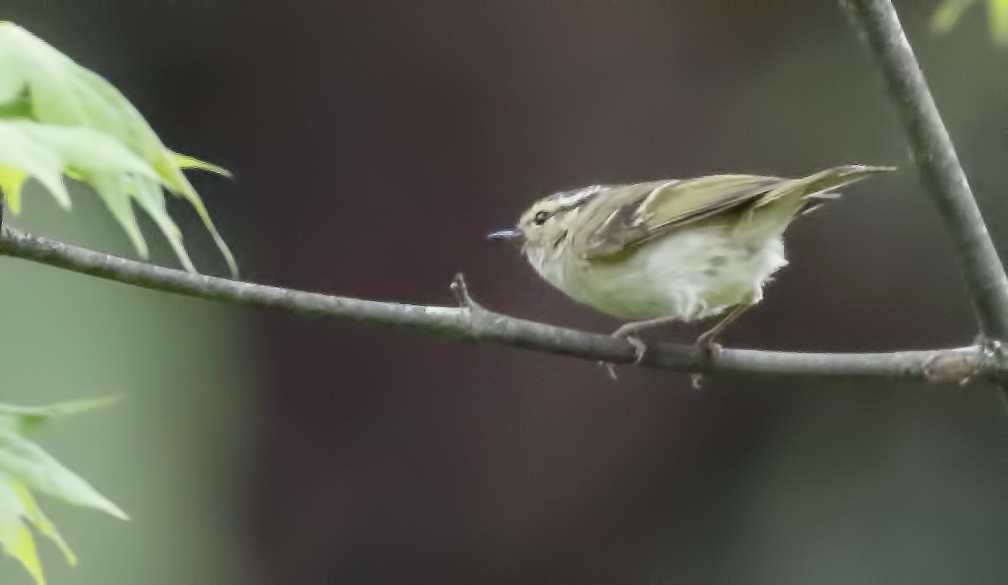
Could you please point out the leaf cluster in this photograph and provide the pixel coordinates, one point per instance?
(949, 12)
(59, 119)
(25, 468)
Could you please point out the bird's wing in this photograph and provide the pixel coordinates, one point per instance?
(660, 208)
(655, 209)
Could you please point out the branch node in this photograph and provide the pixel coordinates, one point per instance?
(989, 347)
(958, 369)
(460, 291)
(993, 354)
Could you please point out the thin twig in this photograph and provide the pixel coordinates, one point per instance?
(474, 323)
(936, 160)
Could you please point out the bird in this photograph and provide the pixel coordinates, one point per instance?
(676, 250)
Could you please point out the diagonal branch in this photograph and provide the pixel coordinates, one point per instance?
(936, 160)
(476, 324)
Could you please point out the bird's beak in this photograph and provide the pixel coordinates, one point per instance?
(514, 235)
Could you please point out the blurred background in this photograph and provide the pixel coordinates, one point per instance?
(373, 145)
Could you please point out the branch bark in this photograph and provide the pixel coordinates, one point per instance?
(476, 324)
(938, 166)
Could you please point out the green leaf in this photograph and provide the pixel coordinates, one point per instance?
(19, 107)
(32, 417)
(11, 180)
(24, 460)
(25, 466)
(33, 514)
(947, 15)
(188, 162)
(15, 537)
(42, 85)
(117, 175)
(997, 12)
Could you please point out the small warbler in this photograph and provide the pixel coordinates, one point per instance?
(675, 250)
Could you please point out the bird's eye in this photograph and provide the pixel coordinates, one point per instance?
(540, 217)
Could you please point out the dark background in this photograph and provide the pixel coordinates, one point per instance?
(373, 145)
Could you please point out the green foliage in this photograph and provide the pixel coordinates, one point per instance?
(947, 16)
(58, 118)
(26, 467)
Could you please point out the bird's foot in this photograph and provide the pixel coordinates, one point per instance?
(706, 342)
(710, 347)
(640, 348)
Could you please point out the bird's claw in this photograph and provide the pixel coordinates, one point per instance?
(640, 348)
(610, 370)
(710, 347)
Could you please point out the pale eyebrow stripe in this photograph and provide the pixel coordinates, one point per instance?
(579, 197)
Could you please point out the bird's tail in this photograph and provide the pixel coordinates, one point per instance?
(777, 208)
(801, 190)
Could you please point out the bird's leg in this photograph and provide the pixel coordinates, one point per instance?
(628, 331)
(706, 339)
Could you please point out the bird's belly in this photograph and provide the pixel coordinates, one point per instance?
(690, 275)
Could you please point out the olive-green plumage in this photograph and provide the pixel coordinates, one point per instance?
(675, 250)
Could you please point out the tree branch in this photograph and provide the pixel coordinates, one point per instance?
(940, 172)
(474, 323)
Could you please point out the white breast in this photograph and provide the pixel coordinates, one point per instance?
(691, 274)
